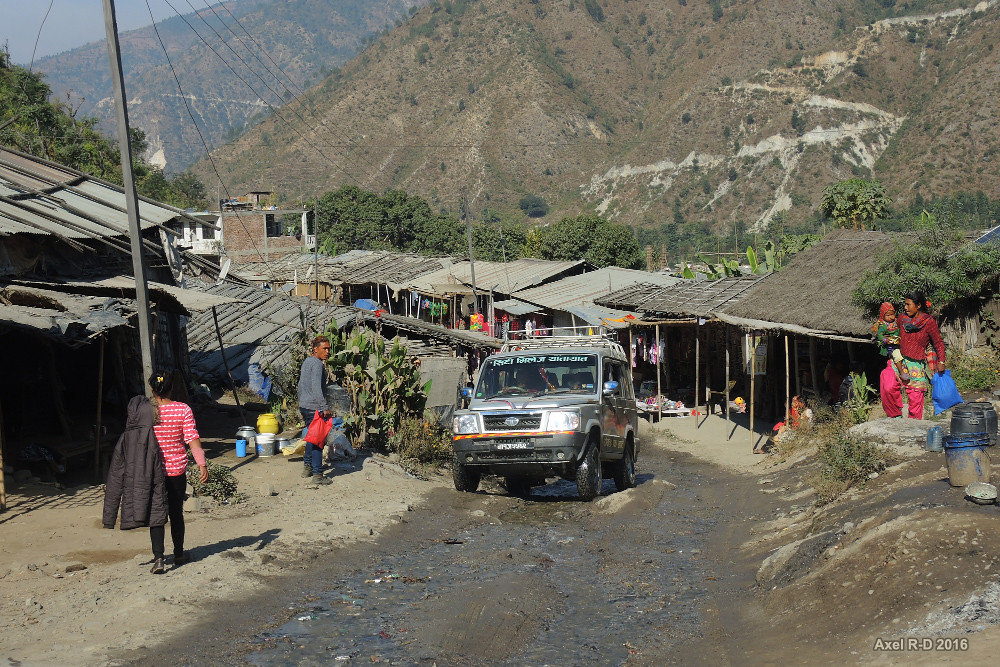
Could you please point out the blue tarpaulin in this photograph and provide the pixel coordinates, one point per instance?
(367, 304)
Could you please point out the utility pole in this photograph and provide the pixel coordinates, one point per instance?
(316, 240)
(472, 261)
(131, 201)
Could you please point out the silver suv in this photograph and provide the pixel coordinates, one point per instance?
(550, 406)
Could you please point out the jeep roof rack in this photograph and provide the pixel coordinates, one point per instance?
(586, 336)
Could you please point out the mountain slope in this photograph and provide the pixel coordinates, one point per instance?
(712, 114)
(299, 41)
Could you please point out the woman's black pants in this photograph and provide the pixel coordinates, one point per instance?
(176, 486)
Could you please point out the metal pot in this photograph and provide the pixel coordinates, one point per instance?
(246, 432)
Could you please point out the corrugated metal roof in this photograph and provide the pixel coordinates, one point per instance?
(452, 337)
(261, 322)
(500, 277)
(167, 297)
(42, 197)
(583, 289)
(262, 326)
(686, 298)
(990, 235)
(516, 307)
(358, 267)
(71, 319)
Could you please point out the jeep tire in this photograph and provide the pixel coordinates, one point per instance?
(624, 470)
(466, 479)
(588, 472)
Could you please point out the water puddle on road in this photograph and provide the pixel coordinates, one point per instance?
(554, 581)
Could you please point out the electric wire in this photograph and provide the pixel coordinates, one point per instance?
(39, 35)
(301, 92)
(198, 130)
(251, 87)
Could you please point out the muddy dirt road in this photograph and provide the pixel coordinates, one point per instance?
(640, 577)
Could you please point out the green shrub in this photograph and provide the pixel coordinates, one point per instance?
(847, 462)
(975, 372)
(420, 441)
(221, 484)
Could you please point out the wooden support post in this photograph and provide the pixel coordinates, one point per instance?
(3, 482)
(697, 367)
(659, 399)
(753, 376)
(798, 373)
(225, 361)
(727, 388)
(788, 384)
(100, 404)
(812, 367)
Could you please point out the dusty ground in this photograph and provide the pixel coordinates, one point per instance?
(903, 558)
(73, 593)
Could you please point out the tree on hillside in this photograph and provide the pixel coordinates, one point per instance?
(352, 218)
(31, 123)
(533, 206)
(939, 263)
(591, 237)
(855, 203)
(499, 236)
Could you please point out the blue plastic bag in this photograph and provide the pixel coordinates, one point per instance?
(945, 392)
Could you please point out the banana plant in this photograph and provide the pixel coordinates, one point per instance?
(384, 386)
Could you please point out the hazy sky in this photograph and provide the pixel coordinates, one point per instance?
(72, 23)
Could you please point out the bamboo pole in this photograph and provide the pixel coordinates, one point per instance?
(100, 404)
(225, 361)
(697, 368)
(753, 377)
(730, 435)
(659, 399)
(788, 384)
(798, 374)
(812, 367)
(3, 482)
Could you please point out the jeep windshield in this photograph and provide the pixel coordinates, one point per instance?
(536, 374)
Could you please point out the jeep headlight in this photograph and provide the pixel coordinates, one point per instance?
(563, 421)
(464, 424)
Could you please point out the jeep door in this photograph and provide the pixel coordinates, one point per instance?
(613, 409)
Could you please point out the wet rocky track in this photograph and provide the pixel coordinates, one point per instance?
(641, 577)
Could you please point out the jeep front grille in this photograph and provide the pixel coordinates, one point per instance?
(525, 422)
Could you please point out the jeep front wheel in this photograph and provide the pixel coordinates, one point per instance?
(624, 470)
(588, 473)
(466, 479)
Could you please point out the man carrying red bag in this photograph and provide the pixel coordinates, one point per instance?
(313, 380)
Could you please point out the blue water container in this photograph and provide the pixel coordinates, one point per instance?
(935, 439)
(968, 460)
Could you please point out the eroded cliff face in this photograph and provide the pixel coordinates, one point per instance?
(659, 112)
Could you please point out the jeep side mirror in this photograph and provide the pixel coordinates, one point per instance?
(610, 387)
(467, 392)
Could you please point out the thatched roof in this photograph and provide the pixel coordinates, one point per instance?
(685, 299)
(813, 291)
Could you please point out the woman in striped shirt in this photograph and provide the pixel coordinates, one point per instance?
(175, 430)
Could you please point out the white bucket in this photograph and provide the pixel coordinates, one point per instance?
(265, 444)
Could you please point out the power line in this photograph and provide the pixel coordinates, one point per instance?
(250, 86)
(300, 90)
(173, 73)
(39, 35)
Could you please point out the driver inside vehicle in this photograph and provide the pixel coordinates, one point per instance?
(527, 380)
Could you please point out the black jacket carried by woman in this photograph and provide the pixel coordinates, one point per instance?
(136, 478)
